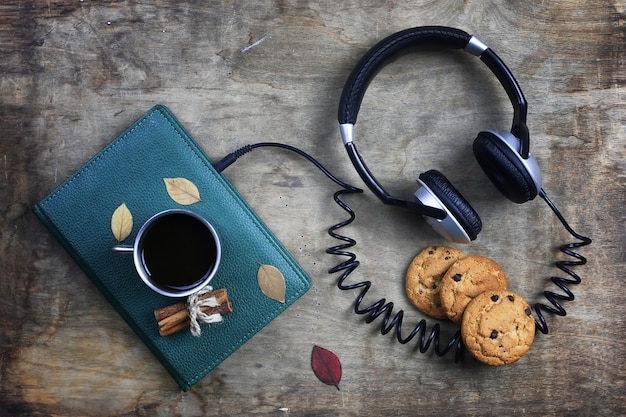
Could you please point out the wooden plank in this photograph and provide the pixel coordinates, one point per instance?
(75, 74)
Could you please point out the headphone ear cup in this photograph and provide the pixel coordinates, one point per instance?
(457, 206)
(513, 176)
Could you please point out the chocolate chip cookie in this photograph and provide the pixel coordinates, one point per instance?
(424, 275)
(498, 327)
(465, 279)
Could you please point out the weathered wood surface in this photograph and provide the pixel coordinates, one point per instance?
(73, 74)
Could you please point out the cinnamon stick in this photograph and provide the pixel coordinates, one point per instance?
(161, 313)
(174, 318)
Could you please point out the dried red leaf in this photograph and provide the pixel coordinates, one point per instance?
(326, 366)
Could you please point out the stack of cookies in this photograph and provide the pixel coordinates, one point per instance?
(496, 324)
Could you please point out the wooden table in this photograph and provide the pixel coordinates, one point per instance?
(74, 74)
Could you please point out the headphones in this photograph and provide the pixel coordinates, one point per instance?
(504, 156)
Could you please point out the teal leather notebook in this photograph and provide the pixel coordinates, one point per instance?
(131, 170)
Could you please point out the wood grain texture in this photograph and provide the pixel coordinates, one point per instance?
(74, 74)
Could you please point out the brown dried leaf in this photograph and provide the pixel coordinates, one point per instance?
(121, 222)
(182, 190)
(272, 282)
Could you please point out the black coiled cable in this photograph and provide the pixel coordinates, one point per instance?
(383, 308)
(565, 266)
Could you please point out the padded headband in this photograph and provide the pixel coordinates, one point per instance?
(375, 59)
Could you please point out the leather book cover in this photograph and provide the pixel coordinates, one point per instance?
(131, 170)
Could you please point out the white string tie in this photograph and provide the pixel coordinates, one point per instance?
(196, 315)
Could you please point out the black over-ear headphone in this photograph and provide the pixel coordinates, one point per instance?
(504, 156)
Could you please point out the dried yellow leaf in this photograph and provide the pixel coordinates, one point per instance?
(182, 190)
(272, 282)
(121, 222)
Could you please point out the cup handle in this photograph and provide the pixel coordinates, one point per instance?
(122, 249)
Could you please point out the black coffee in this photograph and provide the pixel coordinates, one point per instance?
(178, 251)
